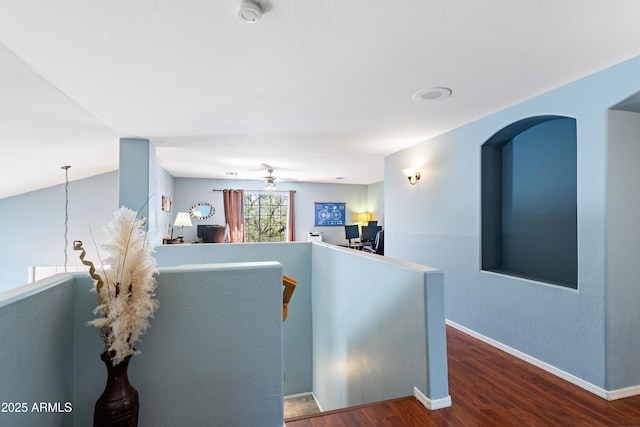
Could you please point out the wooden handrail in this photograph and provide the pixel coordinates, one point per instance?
(289, 286)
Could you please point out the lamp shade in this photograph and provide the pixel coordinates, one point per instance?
(363, 217)
(182, 220)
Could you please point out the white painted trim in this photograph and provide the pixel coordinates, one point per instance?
(432, 405)
(317, 403)
(623, 392)
(600, 392)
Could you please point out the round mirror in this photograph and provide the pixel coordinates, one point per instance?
(202, 211)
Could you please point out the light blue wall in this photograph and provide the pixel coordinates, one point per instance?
(36, 351)
(93, 200)
(437, 223)
(32, 225)
(356, 197)
(218, 339)
(214, 344)
(137, 180)
(164, 187)
(623, 250)
(189, 191)
(296, 262)
(371, 327)
(225, 322)
(194, 190)
(375, 201)
(356, 274)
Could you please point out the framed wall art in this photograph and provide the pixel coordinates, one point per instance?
(166, 203)
(330, 213)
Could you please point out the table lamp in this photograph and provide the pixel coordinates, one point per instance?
(182, 220)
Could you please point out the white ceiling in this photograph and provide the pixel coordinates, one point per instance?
(317, 89)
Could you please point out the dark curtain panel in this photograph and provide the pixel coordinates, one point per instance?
(234, 214)
(291, 226)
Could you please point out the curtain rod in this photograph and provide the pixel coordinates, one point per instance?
(259, 191)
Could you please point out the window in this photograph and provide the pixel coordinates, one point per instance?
(265, 217)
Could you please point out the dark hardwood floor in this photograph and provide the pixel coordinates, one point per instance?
(490, 388)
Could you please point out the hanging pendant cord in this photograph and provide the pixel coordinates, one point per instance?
(66, 215)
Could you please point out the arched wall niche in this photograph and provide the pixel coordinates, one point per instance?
(529, 201)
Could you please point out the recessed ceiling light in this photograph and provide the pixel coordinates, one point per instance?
(432, 94)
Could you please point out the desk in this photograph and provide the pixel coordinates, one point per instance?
(356, 246)
(176, 242)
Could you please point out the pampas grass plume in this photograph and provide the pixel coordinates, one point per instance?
(128, 273)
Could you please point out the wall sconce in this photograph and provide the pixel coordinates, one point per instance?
(412, 176)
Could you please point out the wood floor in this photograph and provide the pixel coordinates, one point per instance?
(490, 388)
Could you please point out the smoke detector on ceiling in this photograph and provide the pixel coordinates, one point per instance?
(249, 11)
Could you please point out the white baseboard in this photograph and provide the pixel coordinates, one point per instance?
(623, 392)
(431, 404)
(317, 403)
(600, 392)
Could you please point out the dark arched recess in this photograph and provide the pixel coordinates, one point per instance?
(529, 201)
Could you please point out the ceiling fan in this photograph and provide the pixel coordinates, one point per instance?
(270, 180)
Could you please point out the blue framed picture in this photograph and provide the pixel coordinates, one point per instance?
(330, 213)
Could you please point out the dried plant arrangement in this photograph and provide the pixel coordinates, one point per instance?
(125, 284)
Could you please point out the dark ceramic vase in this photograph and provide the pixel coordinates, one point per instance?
(118, 405)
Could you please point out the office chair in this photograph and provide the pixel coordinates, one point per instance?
(378, 244)
(369, 233)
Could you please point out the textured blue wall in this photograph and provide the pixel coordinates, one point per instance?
(93, 200)
(37, 351)
(437, 223)
(164, 187)
(218, 339)
(137, 180)
(296, 262)
(371, 328)
(623, 250)
(214, 344)
(37, 239)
